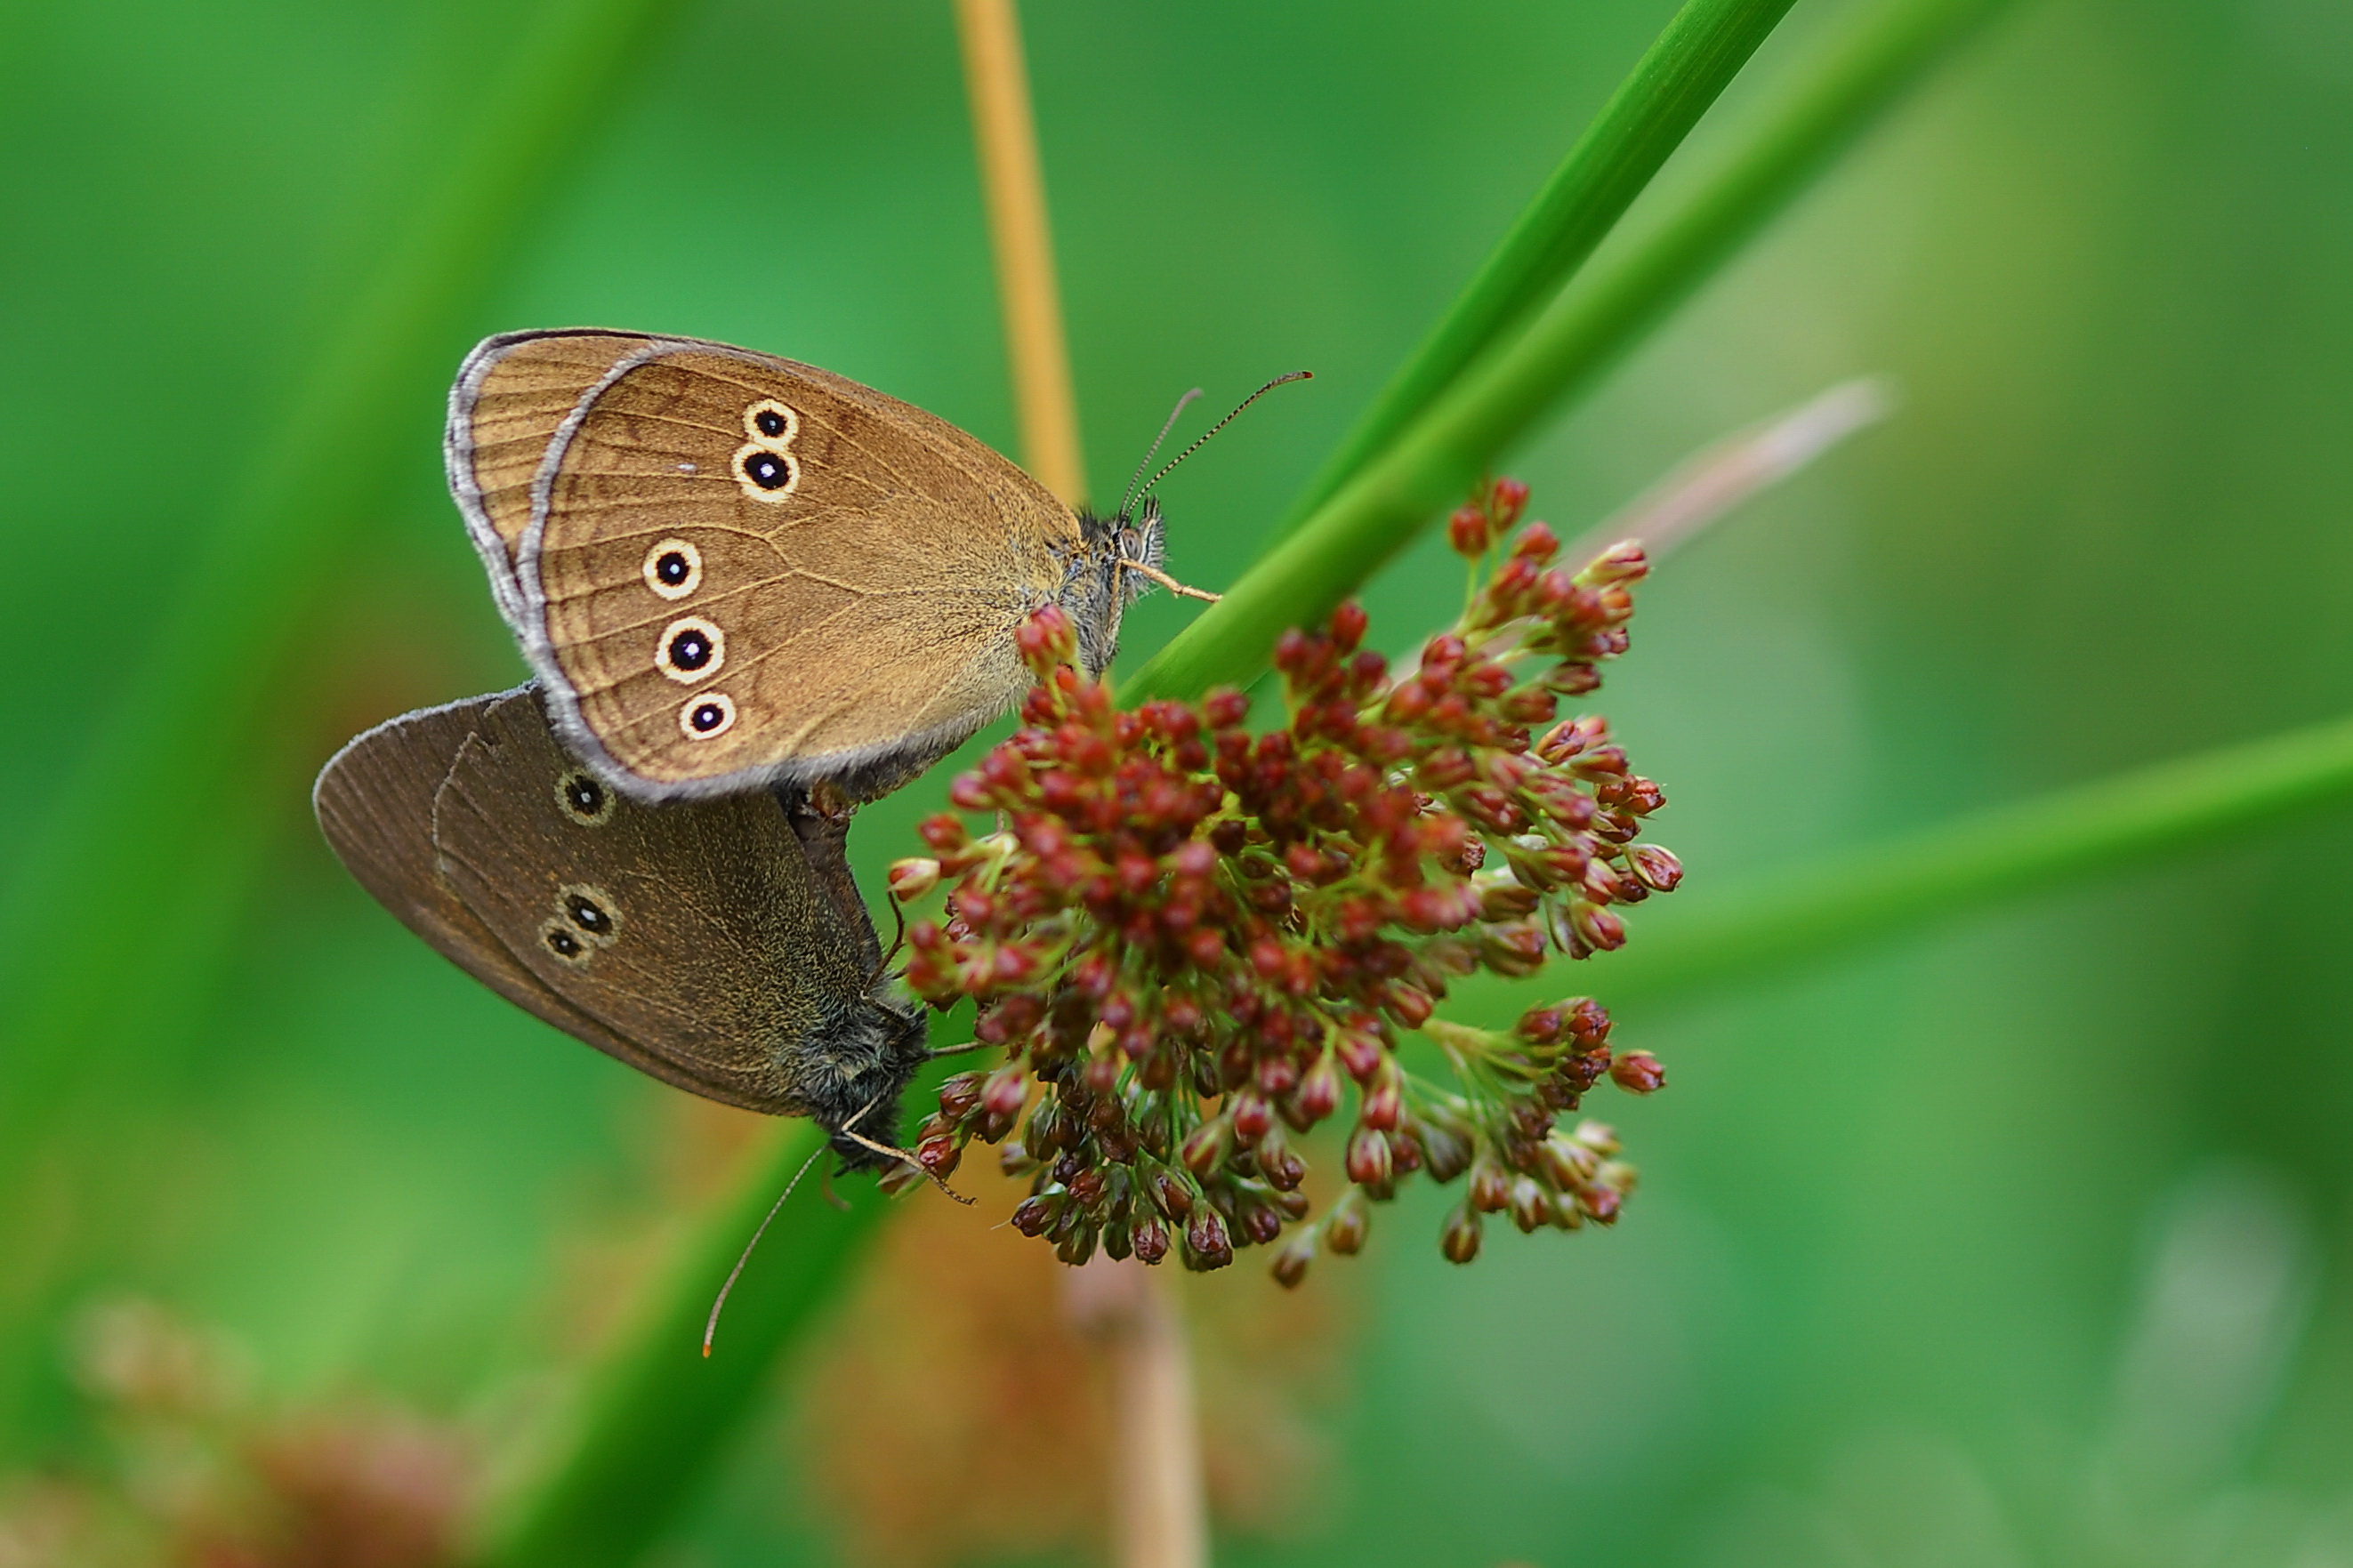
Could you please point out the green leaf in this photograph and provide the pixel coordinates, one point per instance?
(660, 1412)
(1681, 73)
(1835, 904)
(115, 918)
(1506, 394)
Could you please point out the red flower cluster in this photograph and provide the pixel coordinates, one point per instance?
(1192, 940)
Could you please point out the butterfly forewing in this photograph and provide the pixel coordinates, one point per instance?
(695, 930)
(743, 569)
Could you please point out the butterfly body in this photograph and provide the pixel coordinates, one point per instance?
(718, 945)
(732, 571)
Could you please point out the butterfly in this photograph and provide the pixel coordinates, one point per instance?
(730, 571)
(718, 945)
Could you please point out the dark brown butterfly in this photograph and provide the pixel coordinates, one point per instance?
(730, 571)
(719, 946)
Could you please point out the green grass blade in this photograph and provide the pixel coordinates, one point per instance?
(1840, 903)
(1681, 73)
(659, 1414)
(111, 922)
(1502, 397)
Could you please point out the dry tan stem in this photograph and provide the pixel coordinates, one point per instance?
(1157, 1477)
(1015, 191)
(1160, 1521)
(1711, 483)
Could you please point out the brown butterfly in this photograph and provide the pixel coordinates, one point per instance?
(719, 946)
(731, 570)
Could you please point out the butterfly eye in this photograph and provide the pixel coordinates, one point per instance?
(590, 913)
(770, 422)
(766, 476)
(584, 799)
(566, 946)
(673, 568)
(709, 715)
(689, 649)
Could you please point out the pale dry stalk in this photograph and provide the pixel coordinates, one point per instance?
(1005, 135)
(1160, 1517)
(1127, 1309)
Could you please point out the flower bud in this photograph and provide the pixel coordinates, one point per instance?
(959, 1094)
(1281, 1166)
(1542, 1026)
(1467, 532)
(1034, 1214)
(913, 877)
(1459, 1240)
(1359, 1051)
(1596, 927)
(1169, 1193)
(1004, 1091)
(1207, 1246)
(1150, 1240)
(1446, 1151)
(1252, 1119)
(1491, 1185)
(1368, 1157)
(1412, 1006)
(1509, 498)
(1350, 1222)
(1319, 1092)
(1503, 896)
(1224, 708)
(1383, 1103)
(1537, 543)
(1621, 562)
(1531, 1206)
(1044, 639)
(1277, 1075)
(1259, 1220)
(1290, 1263)
(1639, 1072)
(1515, 950)
(1569, 1163)
(1204, 1148)
(1601, 1204)
(1657, 868)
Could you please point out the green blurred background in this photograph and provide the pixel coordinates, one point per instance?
(2022, 1241)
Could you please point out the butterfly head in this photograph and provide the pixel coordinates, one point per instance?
(1103, 582)
(874, 1050)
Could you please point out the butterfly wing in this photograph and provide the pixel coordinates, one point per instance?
(694, 932)
(375, 802)
(846, 571)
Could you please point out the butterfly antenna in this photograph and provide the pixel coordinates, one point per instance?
(1166, 425)
(711, 1327)
(958, 1050)
(1202, 439)
(849, 1131)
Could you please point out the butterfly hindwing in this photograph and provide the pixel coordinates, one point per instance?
(697, 932)
(375, 804)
